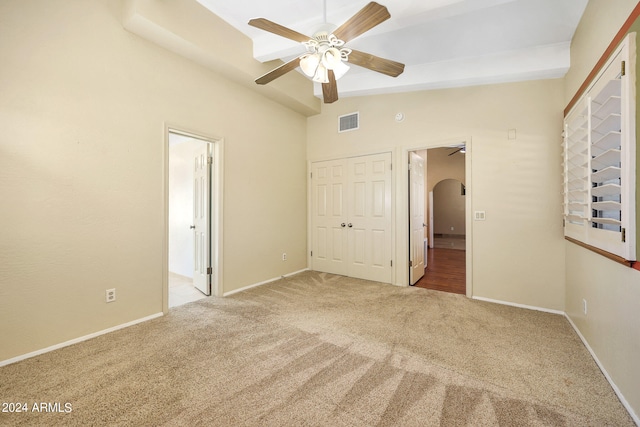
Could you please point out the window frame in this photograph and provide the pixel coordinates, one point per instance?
(587, 196)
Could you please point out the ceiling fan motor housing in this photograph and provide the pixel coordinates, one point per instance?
(324, 52)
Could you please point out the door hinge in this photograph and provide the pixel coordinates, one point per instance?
(209, 270)
(623, 69)
(311, 253)
(210, 160)
(624, 235)
(391, 166)
(410, 263)
(391, 263)
(409, 166)
(311, 175)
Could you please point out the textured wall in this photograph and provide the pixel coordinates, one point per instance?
(518, 252)
(611, 325)
(83, 111)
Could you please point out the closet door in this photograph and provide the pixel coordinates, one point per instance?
(369, 217)
(328, 216)
(351, 217)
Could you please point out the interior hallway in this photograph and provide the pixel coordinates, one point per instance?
(446, 266)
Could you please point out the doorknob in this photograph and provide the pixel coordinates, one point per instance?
(349, 225)
(192, 227)
(342, 225)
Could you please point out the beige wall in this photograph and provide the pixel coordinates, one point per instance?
(449, 208)
(612, 291)
(440, 165)
(518, 252)
(83, 111)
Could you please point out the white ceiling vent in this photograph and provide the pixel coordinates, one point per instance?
(349, 122)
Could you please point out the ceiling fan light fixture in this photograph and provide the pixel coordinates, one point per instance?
(309, 63)
(321, 75)
(331, 58)
(340, 69)
(325, 58)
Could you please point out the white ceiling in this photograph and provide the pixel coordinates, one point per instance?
(444, 43)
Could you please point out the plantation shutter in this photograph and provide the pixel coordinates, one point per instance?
(599, 159)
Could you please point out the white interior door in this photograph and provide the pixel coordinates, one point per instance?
(416, 217)
(431, 241)
(369, 217)
(328, 216)
(351, 217)
(202, 220)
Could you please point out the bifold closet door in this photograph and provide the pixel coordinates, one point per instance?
(351, 217)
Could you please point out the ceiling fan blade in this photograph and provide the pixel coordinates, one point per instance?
(272, 27)
(330, 90)
(368, 17)
(277, 72)
(375, 63)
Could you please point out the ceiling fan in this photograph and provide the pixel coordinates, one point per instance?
(325, 56)
(461, 149)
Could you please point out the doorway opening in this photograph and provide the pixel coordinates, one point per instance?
(192, 197)
(440, 197)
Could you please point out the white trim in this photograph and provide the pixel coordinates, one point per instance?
(78, 340)
(513, 304)
(235, 291)
(624, 402)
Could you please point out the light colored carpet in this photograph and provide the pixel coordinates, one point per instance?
(324, 350)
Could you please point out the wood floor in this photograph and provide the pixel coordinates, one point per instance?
(445, 271)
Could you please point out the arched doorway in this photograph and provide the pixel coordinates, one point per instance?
(449, 214)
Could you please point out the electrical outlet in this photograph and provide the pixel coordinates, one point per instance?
(111, 295)
(584, 306)
(284, 256)
(451, 228)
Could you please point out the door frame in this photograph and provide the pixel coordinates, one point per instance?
(404, 196)
(216, 197)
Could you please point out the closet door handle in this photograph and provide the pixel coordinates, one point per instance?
(349, 225)
(342, 225)
(192, 227)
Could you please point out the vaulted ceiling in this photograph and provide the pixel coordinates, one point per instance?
(444, 43)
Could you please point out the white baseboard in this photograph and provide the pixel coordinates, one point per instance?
(235, 291)
(624, 402)
(77, 340)
(513, 304)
